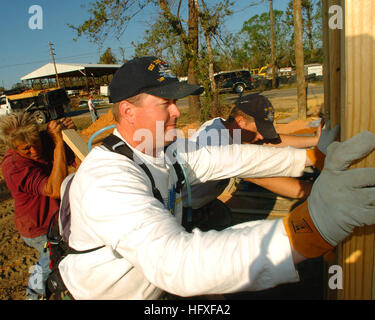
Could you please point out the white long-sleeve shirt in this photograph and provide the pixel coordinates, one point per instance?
(211, 133)
(147, 251)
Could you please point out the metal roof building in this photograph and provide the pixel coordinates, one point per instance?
(66, 72)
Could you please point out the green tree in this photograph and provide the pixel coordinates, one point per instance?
(111, 17)
(21, 86)
(312, 28)
(257, 39)
(175, 34)
(159, 40)
(108, 57)
(210, 20)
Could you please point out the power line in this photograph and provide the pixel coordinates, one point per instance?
(248, 6)
(43, 61)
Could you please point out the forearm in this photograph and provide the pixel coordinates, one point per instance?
(284, 186)
(243, 161)
(296, 141)
(59, 171)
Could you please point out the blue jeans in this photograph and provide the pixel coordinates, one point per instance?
(94, 116)
(39, 272)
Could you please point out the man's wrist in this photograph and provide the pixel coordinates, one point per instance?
(58, 140)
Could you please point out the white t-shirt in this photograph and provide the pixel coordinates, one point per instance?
(91, 105)
(147, 251)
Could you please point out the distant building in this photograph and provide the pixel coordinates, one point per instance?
(72, 76)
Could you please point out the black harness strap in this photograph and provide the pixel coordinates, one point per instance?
(180, 176)
(115, 144)
(59, 242)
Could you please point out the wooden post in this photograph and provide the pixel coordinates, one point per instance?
(333, 43)
(332, 48)
(350, 101)
(358, 250)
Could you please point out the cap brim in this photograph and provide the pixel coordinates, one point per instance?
(175, 90)
(267, 130)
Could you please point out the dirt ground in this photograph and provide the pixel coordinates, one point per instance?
(16, 257)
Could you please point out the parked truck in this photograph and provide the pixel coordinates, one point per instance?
(263, 77)
(46, 105)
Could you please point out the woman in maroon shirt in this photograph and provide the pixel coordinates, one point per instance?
(33, 168)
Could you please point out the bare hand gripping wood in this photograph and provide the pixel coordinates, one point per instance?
(76, 143)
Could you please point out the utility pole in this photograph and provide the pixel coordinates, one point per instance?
(54, 63)
(273, 49)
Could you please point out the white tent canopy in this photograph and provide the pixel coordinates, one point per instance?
(71, 70)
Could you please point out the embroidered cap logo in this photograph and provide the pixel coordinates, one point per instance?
(163, 70)
(269, 114)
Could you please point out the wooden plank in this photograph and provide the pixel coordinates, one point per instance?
(334, 71)
(357, 251)
(76, 143)
(335, 38)
(326, 60)
(244, 215)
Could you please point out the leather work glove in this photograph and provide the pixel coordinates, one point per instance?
(340, 199)
(318, 153)
(327, 136)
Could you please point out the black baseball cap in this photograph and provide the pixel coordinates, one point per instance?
(148, 75)
(261, 109)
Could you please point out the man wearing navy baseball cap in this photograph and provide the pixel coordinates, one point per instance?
(252, 117)
(149, 75)
(261, 110)
(149, 82)
(125, 225)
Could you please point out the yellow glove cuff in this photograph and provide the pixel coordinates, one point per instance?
(303, 235)
(316, 157)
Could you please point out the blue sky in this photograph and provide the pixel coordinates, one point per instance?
(24, 50)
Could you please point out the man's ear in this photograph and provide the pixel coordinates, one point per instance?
(240, 121)
(127, 111)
